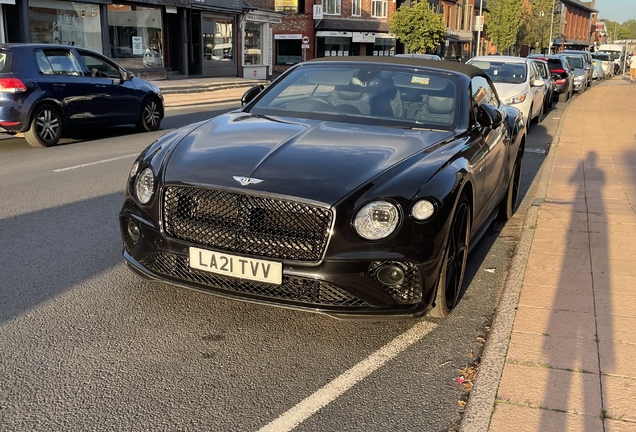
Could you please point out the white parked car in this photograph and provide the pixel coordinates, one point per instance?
(517, 82)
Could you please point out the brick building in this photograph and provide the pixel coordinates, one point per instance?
(578, 21)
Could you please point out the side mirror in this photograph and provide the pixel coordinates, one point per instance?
(127, 75)
(537, 83)
(489, 116)
(249, 95)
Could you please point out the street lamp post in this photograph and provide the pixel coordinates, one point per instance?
(551, 26)
(480, 27)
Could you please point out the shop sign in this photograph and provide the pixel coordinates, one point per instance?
(333, 33)
(318, 14)
(275, 21)
(286, 5)
(363, 37)
(256, 18)
(288, 36)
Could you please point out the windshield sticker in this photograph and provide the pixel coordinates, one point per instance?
(420, 80)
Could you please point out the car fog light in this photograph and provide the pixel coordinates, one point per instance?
(422, 210)
(133, 230)
(144, 185)
(390, 275)
(377, 220)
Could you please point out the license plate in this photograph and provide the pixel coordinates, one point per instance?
(236, 266)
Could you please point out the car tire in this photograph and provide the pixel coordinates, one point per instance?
(150, 115)
(45, 129)
(509, 204)
(453, 268)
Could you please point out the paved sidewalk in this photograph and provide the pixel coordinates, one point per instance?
(197, 91)
(571, 359)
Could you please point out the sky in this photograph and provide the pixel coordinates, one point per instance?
(617, 10)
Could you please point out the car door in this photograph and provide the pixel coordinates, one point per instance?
(119, 98)
(490, 175)
(538, 92)
(62, 78)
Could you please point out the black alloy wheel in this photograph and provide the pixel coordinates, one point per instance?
(150, 117)
(509, 205)
(451, 276)
(46, 127)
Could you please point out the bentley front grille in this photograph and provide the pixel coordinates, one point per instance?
(309, 291)
(247, 224)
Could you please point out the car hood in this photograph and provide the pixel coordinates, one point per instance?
(506, 90)
(316, 160)
(578, 71)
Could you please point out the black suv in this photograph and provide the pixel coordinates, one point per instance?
(561, 71)
(46, 89)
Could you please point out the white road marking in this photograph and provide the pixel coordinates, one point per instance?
(95, 163)
(323, 397)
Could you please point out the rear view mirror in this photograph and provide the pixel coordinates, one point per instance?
(489, 116)
(537, 83)
(249, 95)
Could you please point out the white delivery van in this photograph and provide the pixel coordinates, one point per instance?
(616, 53)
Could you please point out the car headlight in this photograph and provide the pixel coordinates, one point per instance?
(144, 185)
(422, 210)
(133, 169)
(516, 99)
(376, 220)
(580, 77)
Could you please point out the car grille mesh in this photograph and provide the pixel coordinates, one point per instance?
(407, 292)
(247, 224)
(294, 289)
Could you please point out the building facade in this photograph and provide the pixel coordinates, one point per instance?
(576, 25)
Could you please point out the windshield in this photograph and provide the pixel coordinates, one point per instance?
(601, 56)
(501, 72)
(576, 62)
(614, 55)
(373, 94)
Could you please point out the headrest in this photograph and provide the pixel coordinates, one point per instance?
(441, 105)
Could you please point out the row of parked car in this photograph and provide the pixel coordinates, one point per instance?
(533, 83)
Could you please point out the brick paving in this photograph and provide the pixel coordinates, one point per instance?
(571, 360)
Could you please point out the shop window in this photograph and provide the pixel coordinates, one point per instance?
(253, 43)
(66, 23)
(379, 8)
(384, 47)
(218, 43)
(334, 46)
(356, 7)
(331, 7)
(288, 51)
(135, 36)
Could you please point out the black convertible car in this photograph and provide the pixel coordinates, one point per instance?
(352, 187)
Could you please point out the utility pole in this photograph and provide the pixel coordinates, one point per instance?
(480, 27)
(551, 26)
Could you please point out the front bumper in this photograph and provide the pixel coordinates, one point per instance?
(579, 85)
(344, 289)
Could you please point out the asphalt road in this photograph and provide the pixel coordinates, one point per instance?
(86, 345)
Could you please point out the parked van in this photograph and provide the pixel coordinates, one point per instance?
(616, 53)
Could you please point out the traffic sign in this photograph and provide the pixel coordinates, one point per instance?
(305, 39)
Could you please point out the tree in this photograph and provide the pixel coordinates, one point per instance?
(418, 27)
(616, 31)
(537, 24)
(504, 21)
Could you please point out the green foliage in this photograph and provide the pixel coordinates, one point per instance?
(620, 31)
(504, 21)
(418, 27)
(537, 24)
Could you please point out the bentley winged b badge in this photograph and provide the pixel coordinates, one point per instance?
(244, 181)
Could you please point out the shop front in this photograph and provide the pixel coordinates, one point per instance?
(343, 44)
(213, 36)
(257, 44)
(138, 35)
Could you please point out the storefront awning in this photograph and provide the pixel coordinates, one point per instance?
(173, 3)
(353, 25)
(572, 42)
(457, 38)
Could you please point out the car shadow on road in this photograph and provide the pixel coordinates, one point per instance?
(50, 251)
